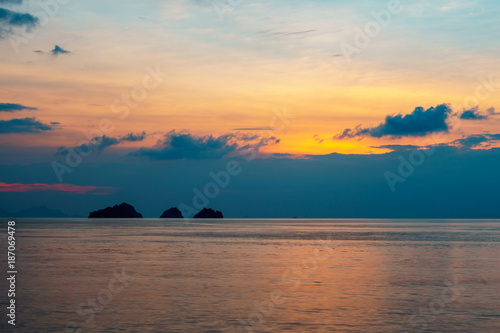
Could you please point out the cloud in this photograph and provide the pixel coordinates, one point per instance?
(347, 133)
(285, 33)
(318, 139)
(11, 107)
(473, 141)
(473, 114)
(183, 145)
(99, 143)
(9, 19)
(397, 147)
(255, 129)
(491, 112)
(14, 2)
(465, 143)
(23, 125)
(133, 137)
(418, 123)
(76, 189)
(284, 155)
(59, 50)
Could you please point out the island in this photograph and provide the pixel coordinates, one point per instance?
(208, 213)
(122, 211)
(172, 213)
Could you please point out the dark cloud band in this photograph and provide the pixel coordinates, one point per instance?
(418, 123)
(473, 114)
(183, 145)
(23, 125)
(101, 142)
(12, 107)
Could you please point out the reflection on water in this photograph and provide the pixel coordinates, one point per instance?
(77, 275)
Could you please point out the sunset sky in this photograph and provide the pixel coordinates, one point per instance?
(184, 85)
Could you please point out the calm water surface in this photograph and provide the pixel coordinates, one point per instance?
(77, 275)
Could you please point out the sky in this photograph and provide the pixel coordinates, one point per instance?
(310, 108)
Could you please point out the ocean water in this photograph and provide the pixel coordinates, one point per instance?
(151, 275)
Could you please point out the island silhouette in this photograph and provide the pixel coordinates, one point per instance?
(172, 213)
(126, 211)
(121, 211)
(208, 213)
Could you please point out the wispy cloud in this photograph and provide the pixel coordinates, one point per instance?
(255, 129)
(70, 188)
(474, 141)
(491, 111)
(286, 33)
(397, 147)
(465, 143)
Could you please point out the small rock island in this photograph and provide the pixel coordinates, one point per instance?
(122, 211)
(208, 213)
(172, 213)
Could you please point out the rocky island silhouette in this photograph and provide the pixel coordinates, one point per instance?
(121, 211)
(126, 211)
(208, 213)
(172, 213)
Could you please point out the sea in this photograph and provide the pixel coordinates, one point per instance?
(253, 275)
